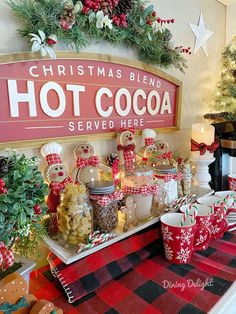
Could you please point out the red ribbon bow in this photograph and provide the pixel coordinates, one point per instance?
(126, 148)
(58, 186)
(131, 129)
(92, 161)
(6, 257)
(144, 190)
(165, 156)
(105, 200)
(202, 147)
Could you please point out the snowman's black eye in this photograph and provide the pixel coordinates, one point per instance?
(87, 147)
(56, 169)
(61, 168)
(127, 135)
(82, 147)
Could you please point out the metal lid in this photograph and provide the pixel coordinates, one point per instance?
(101, 187)
(142, 171)
(165, 169)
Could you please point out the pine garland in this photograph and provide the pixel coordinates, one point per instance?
(74, 22)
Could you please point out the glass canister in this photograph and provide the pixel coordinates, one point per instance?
(104, 198)
(139, 184)
(75, 214)
(166, 178)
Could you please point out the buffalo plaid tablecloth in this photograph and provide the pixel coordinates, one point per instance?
(133, 276)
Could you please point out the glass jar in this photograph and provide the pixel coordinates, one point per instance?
(104, 198)
(75, 215)
(139, 184)
(166, 179)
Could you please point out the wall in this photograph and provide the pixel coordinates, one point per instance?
(200, 78)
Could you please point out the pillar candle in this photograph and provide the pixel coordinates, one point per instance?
(203, 133)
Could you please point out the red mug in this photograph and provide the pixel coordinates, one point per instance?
(220, 222)
(204, 217)
(232, 181)
(180, 241)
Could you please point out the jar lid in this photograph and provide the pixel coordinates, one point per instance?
(142, 171)
(165, 169)
(101, 187)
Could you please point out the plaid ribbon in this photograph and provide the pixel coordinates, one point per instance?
(82, 162)
(202, 147)
(165, 156)
(6, 257)
(53, 159)
(58, 186)
(105, 200)
(144, 190)
(149, 141)
(168, 177)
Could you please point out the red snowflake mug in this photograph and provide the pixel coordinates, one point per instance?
(204, 217)
(181, 241)
(232, 181)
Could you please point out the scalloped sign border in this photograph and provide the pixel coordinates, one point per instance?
(79, 94)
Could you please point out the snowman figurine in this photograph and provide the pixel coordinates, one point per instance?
(150, 148)
(126, 148)
(57, 175)
(87, 165)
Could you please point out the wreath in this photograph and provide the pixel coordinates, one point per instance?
(74, 23)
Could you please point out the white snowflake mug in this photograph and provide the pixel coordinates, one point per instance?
(180, 241)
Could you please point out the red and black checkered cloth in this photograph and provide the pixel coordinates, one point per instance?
(133, 276)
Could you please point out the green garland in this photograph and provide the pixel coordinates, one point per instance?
(74, 23)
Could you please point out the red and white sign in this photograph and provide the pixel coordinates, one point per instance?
(70, 97)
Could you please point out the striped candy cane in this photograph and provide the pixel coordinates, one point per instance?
(185, 216)
(195, 213)
(229, 197)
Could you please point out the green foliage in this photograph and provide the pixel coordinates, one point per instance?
(153, 46)
(225, 98)
(20, 223)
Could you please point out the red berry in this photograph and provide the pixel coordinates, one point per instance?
(149, 22)
(37, 209)
(172, 20)
(4, 191)
(158, 20)
(2, 183)
(154, 13)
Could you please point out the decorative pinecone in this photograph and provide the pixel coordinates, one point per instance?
(105, 7)
(125, 6)
(67, 17)
(111, 158)
(5, 165)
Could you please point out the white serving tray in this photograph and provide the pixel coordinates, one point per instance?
(67, 252)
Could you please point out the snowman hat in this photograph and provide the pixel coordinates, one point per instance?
(51, 151)
(149, 136)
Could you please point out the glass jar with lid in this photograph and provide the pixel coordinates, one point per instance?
(104, 198)
(139, 184)
(75, 214)
(166, 178)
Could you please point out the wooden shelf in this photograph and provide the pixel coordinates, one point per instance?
(67, 252)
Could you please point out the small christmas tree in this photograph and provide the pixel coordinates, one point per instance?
(225, 98)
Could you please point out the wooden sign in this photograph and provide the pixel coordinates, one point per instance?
(79, 94)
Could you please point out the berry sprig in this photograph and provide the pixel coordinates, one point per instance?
(3, 190)
(37, 209)
(181, 49)
(150, 19)
(120, 20)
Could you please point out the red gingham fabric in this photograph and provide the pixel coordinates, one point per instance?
(82, 162)
(6, 257)
(165, 156)
(58, 186)
(53, 159)
(105, 200)
(168, 177)
(149, 141)
(144, 190)
(152, 286)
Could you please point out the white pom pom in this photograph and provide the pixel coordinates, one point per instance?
(51, 148)
(149, 133)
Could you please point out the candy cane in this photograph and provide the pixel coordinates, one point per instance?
(95, 238)
(222, 204)
(185, 216)
(230, 196)
(195, 213)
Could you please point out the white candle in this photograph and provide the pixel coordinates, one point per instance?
(203, 133)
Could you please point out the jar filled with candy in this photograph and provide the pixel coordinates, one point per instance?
(139, 184)
(104, 198)
(75, 214)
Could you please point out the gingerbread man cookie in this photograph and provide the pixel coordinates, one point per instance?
(129, 210)
(87, 164)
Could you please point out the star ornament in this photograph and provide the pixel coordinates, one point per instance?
(202, 35)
